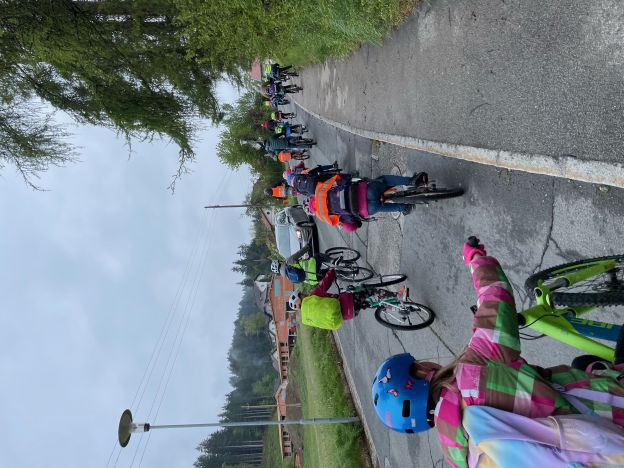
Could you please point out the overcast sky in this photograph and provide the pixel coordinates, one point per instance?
(90, 272)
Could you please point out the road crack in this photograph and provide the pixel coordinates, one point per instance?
(399, 340)
(550, 229)
(478, 107)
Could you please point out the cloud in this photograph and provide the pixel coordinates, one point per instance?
(89, 273)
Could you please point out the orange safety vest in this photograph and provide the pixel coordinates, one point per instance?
(322, 211)
(279, 191)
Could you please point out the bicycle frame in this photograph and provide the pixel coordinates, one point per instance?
(566, 324)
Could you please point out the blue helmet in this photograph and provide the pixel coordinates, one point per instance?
(290, 177)
(400, 400)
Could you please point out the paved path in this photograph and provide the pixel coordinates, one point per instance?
(528, 221)
(542, 81)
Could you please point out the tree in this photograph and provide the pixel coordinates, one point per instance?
(265, 385)
(242, 122)
(253, 324)
(252, 378)
(254, 259)
(120, 64)
(29, 140)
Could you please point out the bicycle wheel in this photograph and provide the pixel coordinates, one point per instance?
(350, 272)
(407, 315)
(424, 194)
(384, 280)
(344, 253)
(604, 289)
(301, 156)
(305, 141)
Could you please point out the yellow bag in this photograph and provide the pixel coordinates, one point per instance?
(321, 312)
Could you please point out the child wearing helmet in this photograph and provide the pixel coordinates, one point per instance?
(491, 380)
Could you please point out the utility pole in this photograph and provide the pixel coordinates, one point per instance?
(234, 206)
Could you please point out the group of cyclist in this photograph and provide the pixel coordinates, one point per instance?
(338, 199)
(489, 406)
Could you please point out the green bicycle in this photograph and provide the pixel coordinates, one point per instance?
(393, 309)
(564, 293)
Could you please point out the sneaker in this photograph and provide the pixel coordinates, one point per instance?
(419, 179)
(407, 210)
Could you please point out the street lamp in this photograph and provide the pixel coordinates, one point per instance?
(127, 426)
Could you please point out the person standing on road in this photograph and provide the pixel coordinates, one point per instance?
(487, 404)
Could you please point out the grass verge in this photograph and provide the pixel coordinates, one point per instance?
(314, 368)
(322, 29)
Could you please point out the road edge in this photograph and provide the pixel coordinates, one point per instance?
(567, 167)
(356, 401)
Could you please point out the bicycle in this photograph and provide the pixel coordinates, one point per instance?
(564, 293)
(421, 194)
(392, 309)
(300, 141)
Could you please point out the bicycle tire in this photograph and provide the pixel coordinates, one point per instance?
(357, 274)
(384, 280)
(301, 156)
(430, 317)
(561, 297)
(346, 253)
(304, 141)
(418, 195)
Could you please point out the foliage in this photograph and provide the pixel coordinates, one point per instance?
(113, 63)
(242, 122)
(295, 31)
(251, 370)
(265, 385)
(29, 139)
(254, 260)
(253, 324)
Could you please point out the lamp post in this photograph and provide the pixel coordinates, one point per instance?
(127, 426)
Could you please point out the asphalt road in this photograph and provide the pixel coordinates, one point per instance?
(527, 221)
(520, 75)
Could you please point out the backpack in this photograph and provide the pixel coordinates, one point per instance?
(295, 275)
(321, 312)
(501, 438)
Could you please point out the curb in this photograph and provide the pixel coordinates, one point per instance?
(567, 167)
(357, 402)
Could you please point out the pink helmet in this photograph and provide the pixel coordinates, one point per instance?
(286, 173)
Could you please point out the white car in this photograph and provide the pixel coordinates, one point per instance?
(294, 229)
